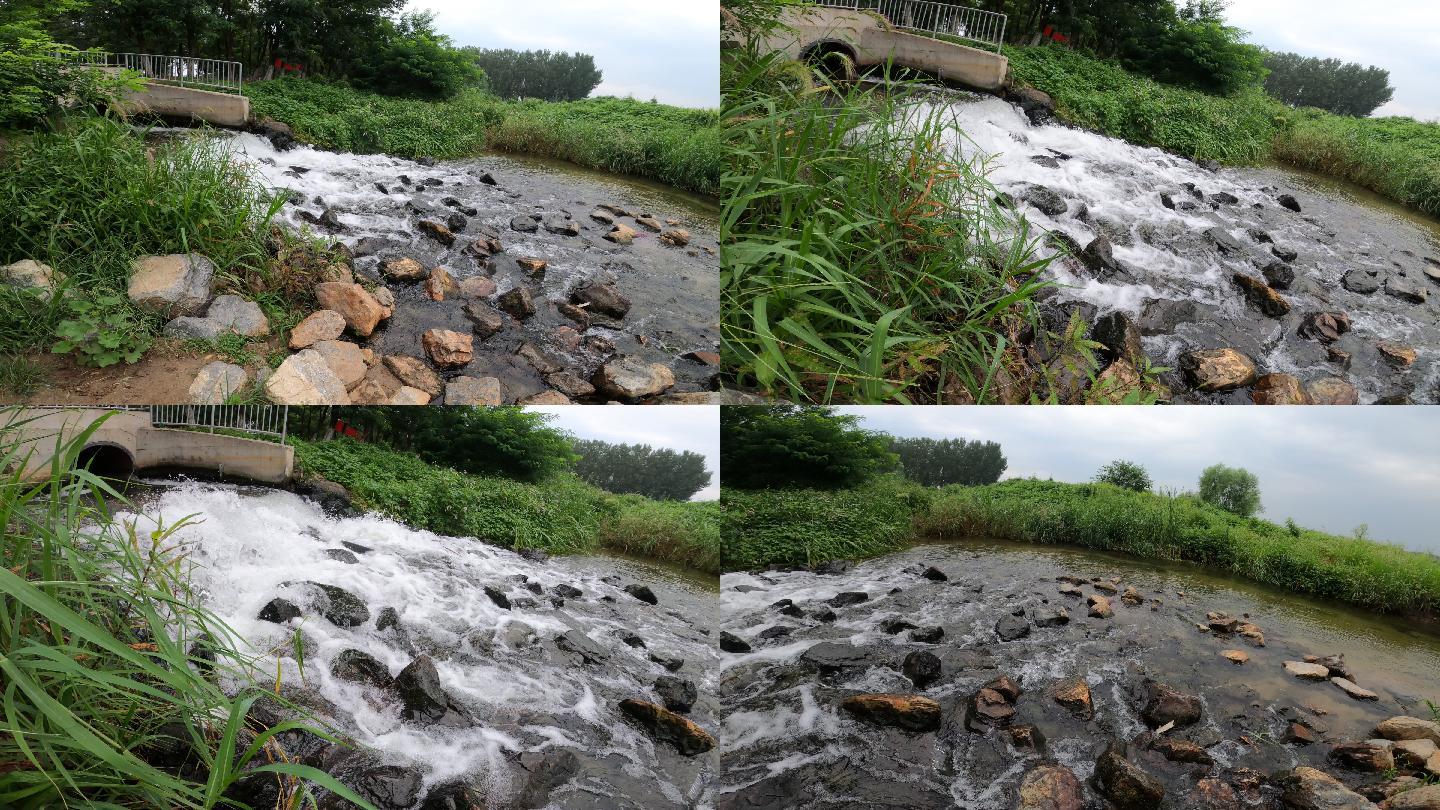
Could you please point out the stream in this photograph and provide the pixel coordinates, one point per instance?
(789, 745)
(531, 658)
(534, 208)
(1181, 232)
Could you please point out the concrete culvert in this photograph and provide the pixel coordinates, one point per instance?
(833, 60)
(107, 461)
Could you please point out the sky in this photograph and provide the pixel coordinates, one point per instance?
(677, 427)
(664, 50)
(1402, 36)
(1331, 469)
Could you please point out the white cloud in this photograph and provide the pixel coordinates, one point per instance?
(677, 427)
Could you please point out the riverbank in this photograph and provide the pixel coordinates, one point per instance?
(676, 146)
(561, 515)
(1375, 576)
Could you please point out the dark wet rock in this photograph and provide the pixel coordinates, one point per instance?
(279, 611)
(423, 698)
(908, 712)
(574, 641)
(1050, 787)
(1261, 236)
(927, 635)
(518, 303)
(1284, 254)
(824, 614)
(1045, 160)
(922, 668)
(602, 298)
(568, 591)
(1224, 198)
(830, 656)
(1119, 335)
(497, 596)
(1179, 750)
(1099, 256)
(487, 178)
(341, 555)
(1262, 296)
(484, 319)
(989, 707)
(678, 694)
(1217, 369)
(1075, 697)
(935, 574)
(546, 771)
(1279, 275)
(524, 224)
(457, 796)
(1326, 327)
(1362, 281)
(666, 726)
(340, 607)
(1335, 665)
(1164, 704)
(1012, 628)
(896, 626)
(834, 567)
(1027, 738)
(1226, 243)
(642, 592)
(356, 547)
(1300, 734)
(775, 631)
(731, 643)
(560, 224)
(1048, 616)
(848, 598)
(1124, 783)
(1362, 756)
(1406, 290)
(389, 618)
(1288, 201)
(361, 667)
(1046, 200)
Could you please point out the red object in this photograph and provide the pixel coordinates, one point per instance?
(349, 432)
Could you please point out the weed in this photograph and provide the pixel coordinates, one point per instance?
(102, 331)
(20, 375)
(235, 348)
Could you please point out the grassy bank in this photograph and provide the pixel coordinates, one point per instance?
(107, 659)
(562, 515)
(1396, 157)
(1368, 574)
(676, 146)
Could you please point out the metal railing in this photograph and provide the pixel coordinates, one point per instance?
(927, 17)
(184, 71)
(259, 420)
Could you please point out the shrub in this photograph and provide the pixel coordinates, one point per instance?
(1233, 489)
(792, 446)
(1124, 474)
(38, 82)
(414, 61)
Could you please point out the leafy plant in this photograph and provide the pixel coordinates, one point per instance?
(102, 331)
(1124, 474)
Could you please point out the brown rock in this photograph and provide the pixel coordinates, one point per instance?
(1408, 728)
(1099, 606)
(440, 284)
(1307, 788)
(1300, 734)
(1178, 750)
(621, 234)
(565, 338)
(403, 270)
(990, 708)
(1353, 689)
(1305, 671)
(910, 712)
(448, 349)
(1050, 787)
(706, 358)
(630, 377)
(377, 387)
(570, 384)
(357, 306)
(1007, 688)
(1278, 389)
(1235, 656)
(518, 303)
(1262, 296)
(1332, 391)
(473, 391)
(1421, 798)
(602, 298)
(679, 237)
(408, 396)
(1362, 756)
(1216, 795)
(1075, 696)
(666, 726)
(649, 223)
(546, 398)
(345, 359)
(477, 287)
(1131, 596)
(532, 267)
(325, 324)
(1125, 784)
(1217, 369)
(1166, 705)
(485, 319)
(1326, 327)
(574, 313)
(436, 231)
(413, 372)
(1397, 355)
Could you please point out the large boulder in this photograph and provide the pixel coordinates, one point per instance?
(666, 726)
(340, 607)
(1213, 370)
(405, 269)
(361, 667)
(1421, 798)
(1050, 787)
(306, 379)
(1279, 389)
(178, 284)
(324, 324)
(1306, 788)
(1332, 391)
(630, 377)
(473, 391)
(346, 359)
(1166, 705)
(909, 712)
(216, 382)
(424, 698)
(602, 298)
(1262, 296)
(361, 311)
(1408, 728)
(413, 372)
(32, 274)
(1124, 783)
(448, 349)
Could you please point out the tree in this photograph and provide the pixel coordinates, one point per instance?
(546, 75)
(1343, 88)
(784, 446)
(659, 473)
(413, 60)
(1124, 474)
(941, 462)
(1231, 488)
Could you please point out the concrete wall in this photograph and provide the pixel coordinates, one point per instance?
(267, 462)
(220, 109)
(874, 43)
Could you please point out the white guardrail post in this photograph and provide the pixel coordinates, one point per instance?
(184, 71)
(929, 17)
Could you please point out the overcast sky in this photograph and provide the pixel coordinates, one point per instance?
(1402, 36)
(1328, 468)
(666, 50)
(677, 427)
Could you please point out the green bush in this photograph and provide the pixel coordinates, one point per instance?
(796, 446)
(102, 331)
(1124, 474)
(37, 82)
(412, 60)
(1231, 488)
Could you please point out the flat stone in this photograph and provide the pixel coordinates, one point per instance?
(485, 319)
(524, 224)
(1406, 290)
(677, 237)
(1362, 281)
(622, 234)
(1309, 672)
(1396, 354)
(666, 726)
(306, 379)
(408, 396)
(325, 324)
(346, 359)
(413, 372)
(403, 270)
(560, 224)
(1279, 389)
(546, 398)
(477, 287)
(178, 284)
(1332, 391)
(1354, 690)
(1408, 728)
(473, 391)
(1307, 787)
(602, 298)
(1235, 656)
(227, 314)
(216, 382)
(630, 377)
(909, 712)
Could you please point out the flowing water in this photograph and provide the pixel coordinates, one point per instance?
(374, 203)
(787, 745)
(541, 710)
(1176, 265)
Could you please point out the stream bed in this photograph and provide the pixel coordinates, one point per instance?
(525, 661)
(799, 643)
(1178, 234)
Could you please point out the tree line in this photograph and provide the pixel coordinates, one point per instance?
(547, 75)
(1343, 88)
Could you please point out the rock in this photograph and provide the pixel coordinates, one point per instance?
(440, 233)
(1397, 355)
(1099, 256)
(1012, 628)
(1332, 391)
(518, 303)
(413, 372)
(215, 383)
(621, 234)
(340, 607)
(487, 178)
(1362, 281)
(1046, 200)
(1050, 787)
(649, 223)
(473, 391)
(456, 222)
(1362, 756)
(477, 287)
(1075, 696)
(324, 324)
(642, 592)
(497, 596)
(666, 726)
(927, 635)
(378, 386)
(1279, 275)
(829, 656)
(546, 398)
(524, 224)
(1421, 798)
(1125, 784)
(1334, 663)
(909, 712)
(1262, 296)
(1278, 389)
(678, 694)
(1224, 242)
(562, 225)
(1306, 671)
(1326, 327)
(922, 668)
(1217, 369)
(1406, 290)
(346, 359)
(1408, 728)
(227, 314)
(577, 642)
(306, 379)
(990, 707)
(1132, 596)
(1352, 689)
(32, 274)
(602, 216)
(361, 311)
(386, 300)
(408, 396)
(1099, 606)
(630, 377)
(731, 643)
(424, 698)
(1284, 254)
(459, 796)
(848, 598)
(1050, 616)
(361, 667)
(1119, 335)
(279, 611)
(1224, 198)
(440, 284)
(485, 320)
(1260, 236)
(178, 284)
(342, 555)
(1235, 656)
(676, 237)
(1166, 705)
(1178, 750)
(1306, 788)
(1288, 201)
(1299, 734)
(574, 313)
(448, 349)
(531, 266)
(1413, 753)
(603, 298)
(570, 384)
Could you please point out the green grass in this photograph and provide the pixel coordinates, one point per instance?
(103, 648)
(859, 262)
(20, 375)
(676, 146)
(1398, 158)
(562, 515)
